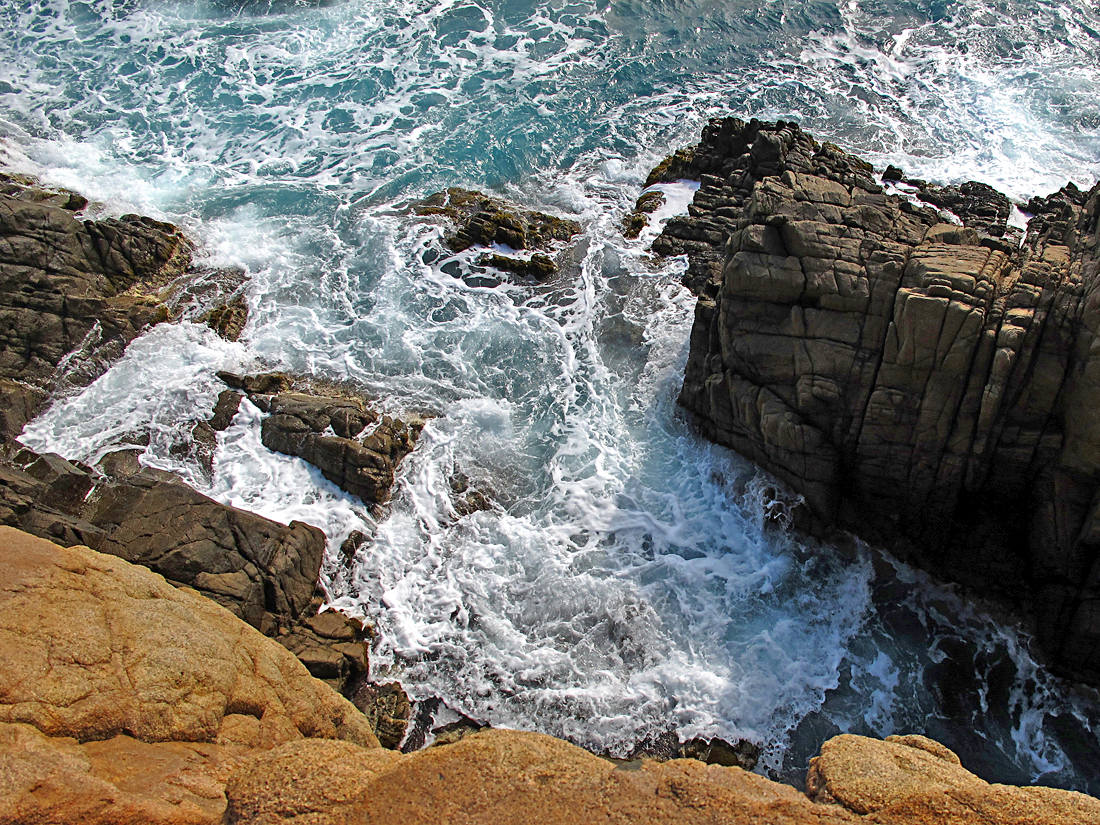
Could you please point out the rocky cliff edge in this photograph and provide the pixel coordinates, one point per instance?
(921, 377)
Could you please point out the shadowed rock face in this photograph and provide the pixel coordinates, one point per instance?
(929, 385)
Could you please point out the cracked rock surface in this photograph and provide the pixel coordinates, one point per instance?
(927, 383)
(93, 647)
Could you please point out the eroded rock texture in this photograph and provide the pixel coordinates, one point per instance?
(93, 647)
(68, 284)
(515, 778)
(262, 571)
(353, 446)
(927, 384)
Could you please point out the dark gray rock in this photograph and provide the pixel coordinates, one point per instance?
(927, 385)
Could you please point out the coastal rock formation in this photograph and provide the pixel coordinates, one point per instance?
(93, 647)
(512, 777)
(262, 571)
(126, 700)
(480, 220)
(915, 779)
(926, 383)
(118, 781)
(74, 293)
(353, 446)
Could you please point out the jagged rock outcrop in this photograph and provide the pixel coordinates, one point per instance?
(514, 778)
(480, 220)
(926, 384)
(262, 571)
(353, 446)
(74, 293)
(67, 284)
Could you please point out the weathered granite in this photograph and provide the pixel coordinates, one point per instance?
(515, 778)
(92, 647)
(926, 384)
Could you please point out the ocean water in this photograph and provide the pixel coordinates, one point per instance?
(628, 579)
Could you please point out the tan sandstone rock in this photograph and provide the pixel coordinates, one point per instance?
(912, 779)
(93, 647)
(121, 781)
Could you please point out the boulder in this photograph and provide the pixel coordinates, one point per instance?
(928, 385)
(507, 778)
(481, 220)
(915, 780)
(92, 647)
(514, 778)
(354, 447)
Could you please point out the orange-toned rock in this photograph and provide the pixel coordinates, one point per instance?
(912, 780)
(505, 778)
(120, 781)
(92, 647)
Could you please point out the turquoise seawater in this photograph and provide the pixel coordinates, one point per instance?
(629, 578)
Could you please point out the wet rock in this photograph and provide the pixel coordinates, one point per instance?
(349, 547)
(262, 571)
(70, 285)
(925, 384)
(717, 751)
(481, 220)
(636, 221)
(978, 205)
(228, 320)
(229, 402)
(19, 403)
(265, 383)
(537, 267)
(350, 444)
(387, 708)
(332, 646)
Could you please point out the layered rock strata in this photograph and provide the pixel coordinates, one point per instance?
(922, 381)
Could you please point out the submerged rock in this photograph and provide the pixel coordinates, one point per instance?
(928, 385)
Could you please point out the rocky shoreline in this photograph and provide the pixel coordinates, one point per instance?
(924, 378)
(163, 657)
